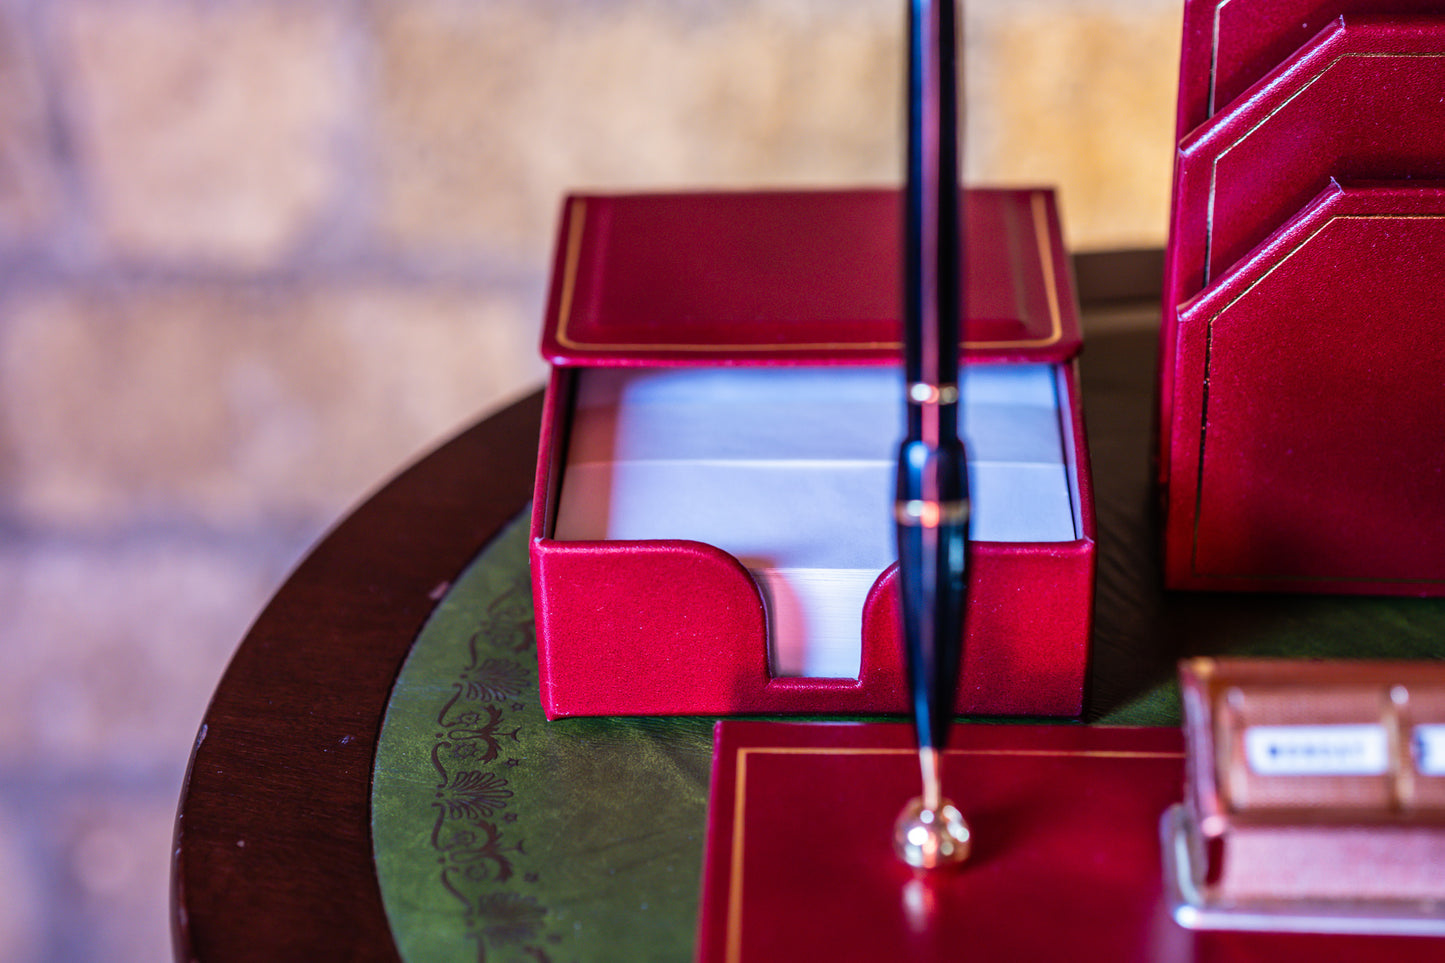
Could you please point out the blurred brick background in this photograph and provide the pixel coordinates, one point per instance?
(255, 256)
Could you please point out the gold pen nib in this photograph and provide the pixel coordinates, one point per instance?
(930, 832)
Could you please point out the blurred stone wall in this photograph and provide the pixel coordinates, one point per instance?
(254, 256)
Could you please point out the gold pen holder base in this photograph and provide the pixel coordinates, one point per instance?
(931, 837)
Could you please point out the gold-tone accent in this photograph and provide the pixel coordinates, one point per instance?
(930, 514)
(570, 267)
(928, 762)
(932, 837)
(1203, 666)
(1039, 201)
(733, 951)
(735, 882)
(1231, 778)
(1204, 417)
(1394, 717)
(578, 210)
(925, 394)
(931, 833)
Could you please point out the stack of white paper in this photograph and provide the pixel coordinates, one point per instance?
(790, 470)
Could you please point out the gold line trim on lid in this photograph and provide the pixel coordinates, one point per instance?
(567, 301)
(578, 211)
(1039, 202)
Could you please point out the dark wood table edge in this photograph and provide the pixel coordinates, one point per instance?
(272, 854)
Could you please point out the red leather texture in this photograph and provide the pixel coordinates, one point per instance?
(1066, 862)
(1361, 101)
(674, 627)
(1230, 44)
(1299, 377)
(786, 277)
(677, 628)
(1307, 414)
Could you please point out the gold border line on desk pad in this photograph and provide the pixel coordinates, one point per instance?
(1204, 417)
(733, 952)
(1044, 242)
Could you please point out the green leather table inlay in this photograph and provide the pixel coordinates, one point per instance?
(500, 836)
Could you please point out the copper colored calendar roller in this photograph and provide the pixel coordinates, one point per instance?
(1320, 784)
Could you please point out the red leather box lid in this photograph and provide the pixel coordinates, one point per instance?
(791, 277)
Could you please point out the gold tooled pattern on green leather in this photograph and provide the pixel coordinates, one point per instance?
(501, 836)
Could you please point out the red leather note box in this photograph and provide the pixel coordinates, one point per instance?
(763, 283)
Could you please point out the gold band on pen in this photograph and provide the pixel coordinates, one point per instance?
(930, 514)
(926, 394)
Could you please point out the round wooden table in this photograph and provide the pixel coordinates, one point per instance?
(273, 852)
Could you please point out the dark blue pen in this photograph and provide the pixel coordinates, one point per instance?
(932, 507)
